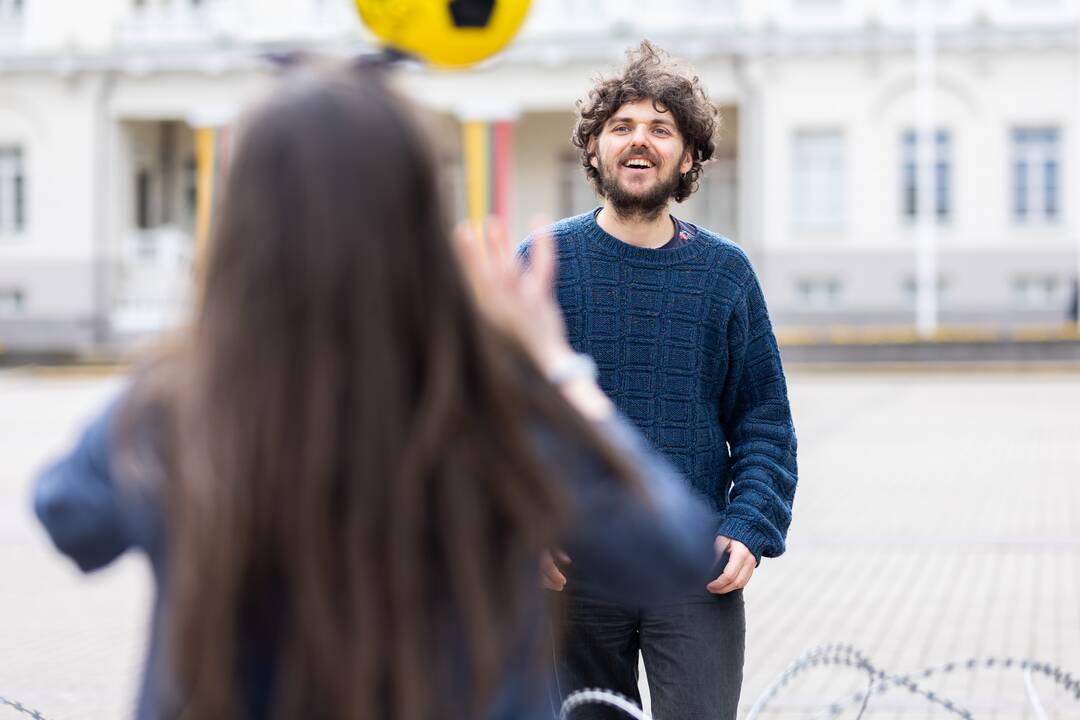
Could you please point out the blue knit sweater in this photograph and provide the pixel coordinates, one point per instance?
(685, 349)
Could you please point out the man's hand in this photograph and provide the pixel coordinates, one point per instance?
(550, 576)
(740, 566)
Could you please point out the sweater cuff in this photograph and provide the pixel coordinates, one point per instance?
(738, 529)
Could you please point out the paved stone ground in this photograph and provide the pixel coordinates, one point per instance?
(70, 645)
(938, 518)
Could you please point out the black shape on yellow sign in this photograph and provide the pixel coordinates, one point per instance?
(471, 13)
(445, 33)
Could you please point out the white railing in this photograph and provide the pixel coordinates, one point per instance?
(182, 22)
(598, 18)
(152, 282)
(154, 22)
(558, 22)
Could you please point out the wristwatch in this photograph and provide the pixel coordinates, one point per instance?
(572, 367)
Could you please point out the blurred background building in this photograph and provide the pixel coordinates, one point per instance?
(115, 115)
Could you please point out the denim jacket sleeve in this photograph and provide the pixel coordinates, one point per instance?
(88, 516)
(637, 549)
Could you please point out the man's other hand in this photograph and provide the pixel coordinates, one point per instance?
(740, 566)
(550, 575)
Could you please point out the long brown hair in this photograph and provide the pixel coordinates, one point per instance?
(352, 472)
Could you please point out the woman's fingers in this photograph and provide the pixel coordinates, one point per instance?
(541, 272)
(468, 253)
(497, 239)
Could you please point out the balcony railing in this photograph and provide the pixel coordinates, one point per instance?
(567, 20)
(184, 22)
(152, 288)
(560, 22)
(176, 22)
(604, 17)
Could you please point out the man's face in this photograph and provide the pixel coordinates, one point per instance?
(640, 155)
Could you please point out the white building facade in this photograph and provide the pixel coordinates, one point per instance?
(815, 174)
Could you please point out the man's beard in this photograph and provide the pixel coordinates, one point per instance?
(632, 206)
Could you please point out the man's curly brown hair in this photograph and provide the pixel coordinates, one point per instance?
(651, 74)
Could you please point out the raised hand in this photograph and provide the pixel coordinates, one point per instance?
(518, 299)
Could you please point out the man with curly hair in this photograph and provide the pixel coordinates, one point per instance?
(676, 322)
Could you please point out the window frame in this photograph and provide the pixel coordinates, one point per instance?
(1035, 174)
(14, 195)
(814, 217)
(944, 175)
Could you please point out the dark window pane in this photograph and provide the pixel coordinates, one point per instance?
(942, 190)
(942, 173)
(1020, 190)
(1051, 188)
(191, 193)
(909, 190)
(142, 200)
(20, 203)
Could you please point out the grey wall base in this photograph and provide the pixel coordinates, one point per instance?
(1057, 351)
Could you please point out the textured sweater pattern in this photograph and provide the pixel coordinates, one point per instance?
(685, 349)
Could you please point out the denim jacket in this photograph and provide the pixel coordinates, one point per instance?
(627, 548)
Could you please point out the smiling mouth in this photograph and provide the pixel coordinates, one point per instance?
(637, 164)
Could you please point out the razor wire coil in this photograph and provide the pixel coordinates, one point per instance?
(879, 681)
(19, 707)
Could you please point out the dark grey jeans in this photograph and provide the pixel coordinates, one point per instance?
(693, 654)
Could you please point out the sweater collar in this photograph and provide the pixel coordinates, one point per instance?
(602, 239)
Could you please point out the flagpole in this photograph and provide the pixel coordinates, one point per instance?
(926, 261)
(1075, 172)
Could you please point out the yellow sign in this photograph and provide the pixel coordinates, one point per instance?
(446, 33)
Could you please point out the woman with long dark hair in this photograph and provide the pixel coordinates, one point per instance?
(345, 472)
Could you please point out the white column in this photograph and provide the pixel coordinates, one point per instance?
(926, 262)
(1074, 169)
(750, 169)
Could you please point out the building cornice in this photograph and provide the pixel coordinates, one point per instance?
(555, 52)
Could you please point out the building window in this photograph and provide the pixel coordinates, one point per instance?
(12, 191)
(576, 193)
(942, 175)
(820, 189)
(1036, 175)
(818, 293)
(10, 9)
(12, 300)
(1037, 292)
(911, 290)
(715, 203)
